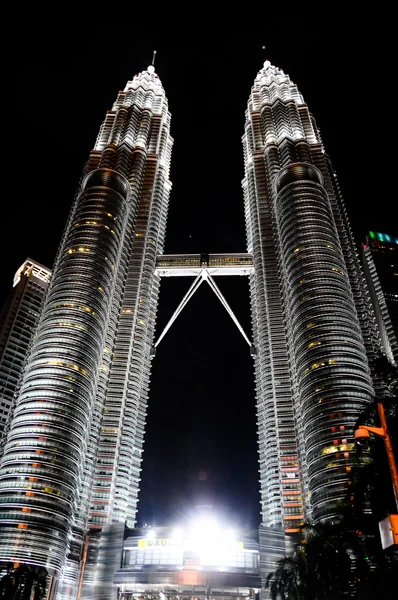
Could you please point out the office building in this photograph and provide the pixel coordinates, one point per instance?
(18, 321)
(312, 321)
(380, 263)
(74, 445)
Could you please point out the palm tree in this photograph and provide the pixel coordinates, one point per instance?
(7, 582)
(333, 561)
(287, 580)
(371, 473)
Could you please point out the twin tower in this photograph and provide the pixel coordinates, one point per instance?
(72, 456)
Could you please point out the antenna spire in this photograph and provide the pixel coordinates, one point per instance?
(153, 58)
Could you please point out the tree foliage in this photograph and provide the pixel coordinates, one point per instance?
(343, 558)
(22, 582)
(335, 561)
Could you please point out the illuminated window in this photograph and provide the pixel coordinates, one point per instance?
(312, 344)
(317, 365)
(81, 249)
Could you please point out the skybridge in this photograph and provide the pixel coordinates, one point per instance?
(191, 265)
(203, 267)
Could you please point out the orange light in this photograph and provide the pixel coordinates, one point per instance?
(22, 526)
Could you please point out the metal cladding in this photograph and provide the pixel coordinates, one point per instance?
(311, 316)
(41, 467)
(73, 452)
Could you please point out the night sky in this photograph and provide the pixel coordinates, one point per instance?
(59, 82)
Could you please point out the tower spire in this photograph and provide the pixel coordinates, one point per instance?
(151, 68)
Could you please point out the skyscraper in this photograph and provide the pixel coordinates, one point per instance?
(312, 320)
(73, 453)
(17, 324)
(380, 263)
(74, 446)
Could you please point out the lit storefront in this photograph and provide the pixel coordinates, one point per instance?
(198, 562)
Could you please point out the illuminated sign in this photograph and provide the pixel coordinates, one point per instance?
(383, 237)
(159, 543)
(172, 543)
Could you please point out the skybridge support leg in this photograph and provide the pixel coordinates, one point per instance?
(198, 281)
(204, 276)
(225, 304)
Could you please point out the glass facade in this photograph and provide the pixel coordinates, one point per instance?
(170, 261)
(216, 566)
(380, 263)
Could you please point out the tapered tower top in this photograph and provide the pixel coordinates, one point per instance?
(147, 78)
(274, 83)
(270, 70)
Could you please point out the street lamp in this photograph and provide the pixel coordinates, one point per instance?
(388, 526)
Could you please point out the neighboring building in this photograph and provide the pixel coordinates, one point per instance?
(18, 320)
(380, 263)
(69, 476)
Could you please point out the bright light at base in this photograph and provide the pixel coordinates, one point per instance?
(204, 530)
(177, 535)
(211, 541)
(151, 535)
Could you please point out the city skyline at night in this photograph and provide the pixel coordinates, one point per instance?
(101, 325)
(201, 447)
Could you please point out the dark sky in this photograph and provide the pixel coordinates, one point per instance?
(62, 74)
